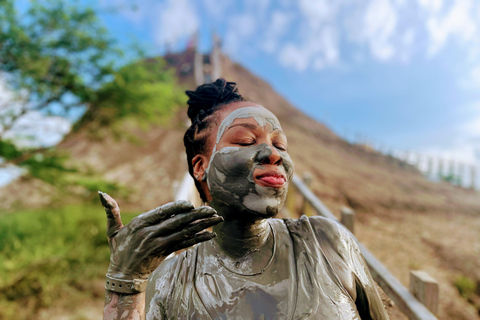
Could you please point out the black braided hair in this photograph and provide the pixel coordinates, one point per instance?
(202, 103)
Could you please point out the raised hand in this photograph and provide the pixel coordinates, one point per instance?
(138, 248)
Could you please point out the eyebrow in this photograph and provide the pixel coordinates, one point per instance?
(252, 127)
(246, 125)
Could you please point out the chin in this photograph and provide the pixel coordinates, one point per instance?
(268, 212)
(238, 210)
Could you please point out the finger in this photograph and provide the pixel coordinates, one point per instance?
(167, 210)
(201, 225)
(199, 237)
(182, 220)
(193, 229)
(114, 220)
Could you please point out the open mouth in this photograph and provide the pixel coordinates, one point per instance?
(271, 179)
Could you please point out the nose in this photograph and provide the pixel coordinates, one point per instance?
(269, 155)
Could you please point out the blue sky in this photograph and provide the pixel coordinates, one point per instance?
(403, 73)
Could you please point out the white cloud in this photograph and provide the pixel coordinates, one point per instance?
(457, 23)
(317, 46)
(30, 130)
(293, 57)
(317, 12)
(178, 19)
(33, 129)
(278, 26)
(294, 31)
(238, 38)
(317, 51)
(470, 77)
(432, 6)
(475, 78)
(407, 42)
(37, 130)
(471, 128)
(380, 21)
(216, 8)
(260, 6)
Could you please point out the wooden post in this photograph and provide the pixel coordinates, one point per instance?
(430, 167)
(406, 156)
(440, 169)
(472, 175)
(417, 160)
(348, 219)
(425, 289)
(451, 169)
(461, 175)
(306, 207)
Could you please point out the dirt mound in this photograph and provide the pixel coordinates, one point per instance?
(407, 221)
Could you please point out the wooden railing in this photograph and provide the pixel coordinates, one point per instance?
(422, 286)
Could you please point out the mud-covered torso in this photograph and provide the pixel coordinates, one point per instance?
(313, 275)
(230, 294)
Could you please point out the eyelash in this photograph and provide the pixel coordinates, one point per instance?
(247, 143)
(252, 141)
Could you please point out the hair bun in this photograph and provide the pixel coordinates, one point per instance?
(209, 95)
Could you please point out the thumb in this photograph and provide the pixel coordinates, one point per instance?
(114, 220)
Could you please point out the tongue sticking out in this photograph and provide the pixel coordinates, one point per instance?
(273, 180)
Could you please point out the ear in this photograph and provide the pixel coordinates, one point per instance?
(200, 165)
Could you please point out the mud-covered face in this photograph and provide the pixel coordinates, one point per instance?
(250, 168)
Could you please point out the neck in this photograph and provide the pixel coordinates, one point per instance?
(240, 237)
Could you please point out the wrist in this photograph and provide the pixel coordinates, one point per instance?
(118, 273)
(123, 285)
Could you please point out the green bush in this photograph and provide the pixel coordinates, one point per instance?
(466, 286)
(48, 254)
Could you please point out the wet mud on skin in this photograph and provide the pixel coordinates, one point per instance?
(231, 183)
(310, 268)
(316, 273)
(230, 171)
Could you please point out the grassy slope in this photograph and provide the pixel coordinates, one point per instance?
(50, 258)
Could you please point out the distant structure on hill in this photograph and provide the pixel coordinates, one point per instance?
(196, 68)
(434, 168)
(204, 68)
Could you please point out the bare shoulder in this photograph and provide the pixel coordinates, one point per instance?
(324, 228)
(329, 228)
(328, 233)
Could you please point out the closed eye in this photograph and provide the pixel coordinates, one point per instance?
(246, 143)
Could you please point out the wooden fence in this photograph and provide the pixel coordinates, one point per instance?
(423, 287)
(420, 303)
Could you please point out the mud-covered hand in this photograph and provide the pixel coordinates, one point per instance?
(137, 248)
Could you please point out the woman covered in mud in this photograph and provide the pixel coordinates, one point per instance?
(251, 266)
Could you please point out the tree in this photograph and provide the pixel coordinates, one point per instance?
(54, 53)
(56, 57)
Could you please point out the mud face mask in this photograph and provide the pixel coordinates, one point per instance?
(230, 174)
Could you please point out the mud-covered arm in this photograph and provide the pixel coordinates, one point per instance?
(342, 249)
(139, 247)
(124, 306)
(368, 301)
